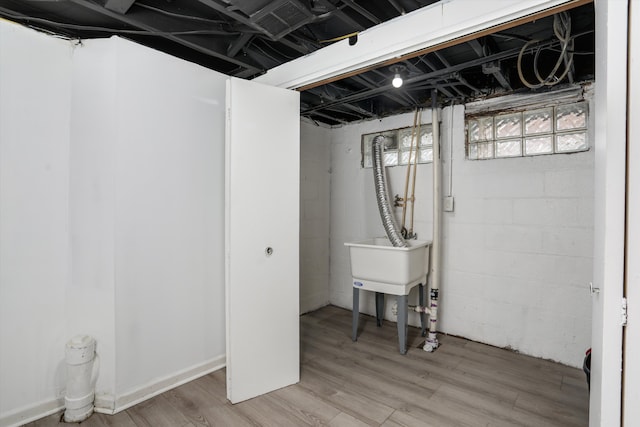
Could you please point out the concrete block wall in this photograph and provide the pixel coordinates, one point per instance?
(517, 250)
(315, 170)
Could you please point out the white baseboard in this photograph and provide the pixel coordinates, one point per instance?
(106, 404)
(31, 413)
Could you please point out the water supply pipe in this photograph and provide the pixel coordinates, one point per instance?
(420, 309)
(386, 214)
(415, 172)
(405, 200)
(432, 340)
(450, 192)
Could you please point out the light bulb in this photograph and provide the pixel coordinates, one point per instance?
(397, 81)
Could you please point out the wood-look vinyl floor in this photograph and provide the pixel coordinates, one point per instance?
(343, 383)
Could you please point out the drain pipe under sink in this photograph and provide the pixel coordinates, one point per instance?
(432, 340)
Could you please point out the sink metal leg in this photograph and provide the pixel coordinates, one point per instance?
(403, 316)
(379, 308)
(356, 314)
(423, 315)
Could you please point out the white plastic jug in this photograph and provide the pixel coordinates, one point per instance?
(82, 373)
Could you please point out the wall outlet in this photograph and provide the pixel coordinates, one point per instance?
(448, 204)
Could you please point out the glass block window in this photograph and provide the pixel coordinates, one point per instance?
(397, 150)
(559, 129)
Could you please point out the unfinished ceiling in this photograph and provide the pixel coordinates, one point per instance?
(244, 38)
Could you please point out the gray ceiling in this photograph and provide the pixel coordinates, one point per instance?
(244, 38)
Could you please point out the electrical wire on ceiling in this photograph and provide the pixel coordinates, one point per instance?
(562, 30)
(337, 39)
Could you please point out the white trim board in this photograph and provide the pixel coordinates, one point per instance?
(426, 27)
(31, 413)
(610, 101)
(159, 386)
(109, 405)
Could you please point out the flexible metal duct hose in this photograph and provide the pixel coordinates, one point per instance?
(379, 180)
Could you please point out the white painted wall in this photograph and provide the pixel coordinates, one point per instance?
(35, 92)
(91, 292)
(169, 215)
(516, 251)
(111, 218)
(315, 173)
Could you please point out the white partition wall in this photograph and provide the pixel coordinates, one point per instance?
(169, 219)
(91, 291)
(111, 219)
(35, 91)
(148, 156)
(147, 176)
(262, 238)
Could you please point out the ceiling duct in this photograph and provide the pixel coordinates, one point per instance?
(275, 19)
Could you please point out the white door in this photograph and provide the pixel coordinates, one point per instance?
(631, 374)
(262, 228)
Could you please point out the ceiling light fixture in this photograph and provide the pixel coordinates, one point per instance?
(397, 70)
(397, 80)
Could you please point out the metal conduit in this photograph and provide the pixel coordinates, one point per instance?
(379, 179)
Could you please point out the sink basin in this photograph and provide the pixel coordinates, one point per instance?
(378, 266)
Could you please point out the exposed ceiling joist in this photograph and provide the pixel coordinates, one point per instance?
(443, 73)
(342, 16)
(362, 11)
(492, 68)
(459, 56)
(433, 67)
(495, 70)
(477, 47)
(274, 20)
(120, 6)
(399, 48)
(397, 6)
(237, 45)
(180, 40)
(294, 46)
(394, 96)
(446, 63)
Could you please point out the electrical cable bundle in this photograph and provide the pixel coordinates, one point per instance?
(562, 30)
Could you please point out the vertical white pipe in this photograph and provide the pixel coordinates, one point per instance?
(450, 193)
(80, 355)
(432, 340)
